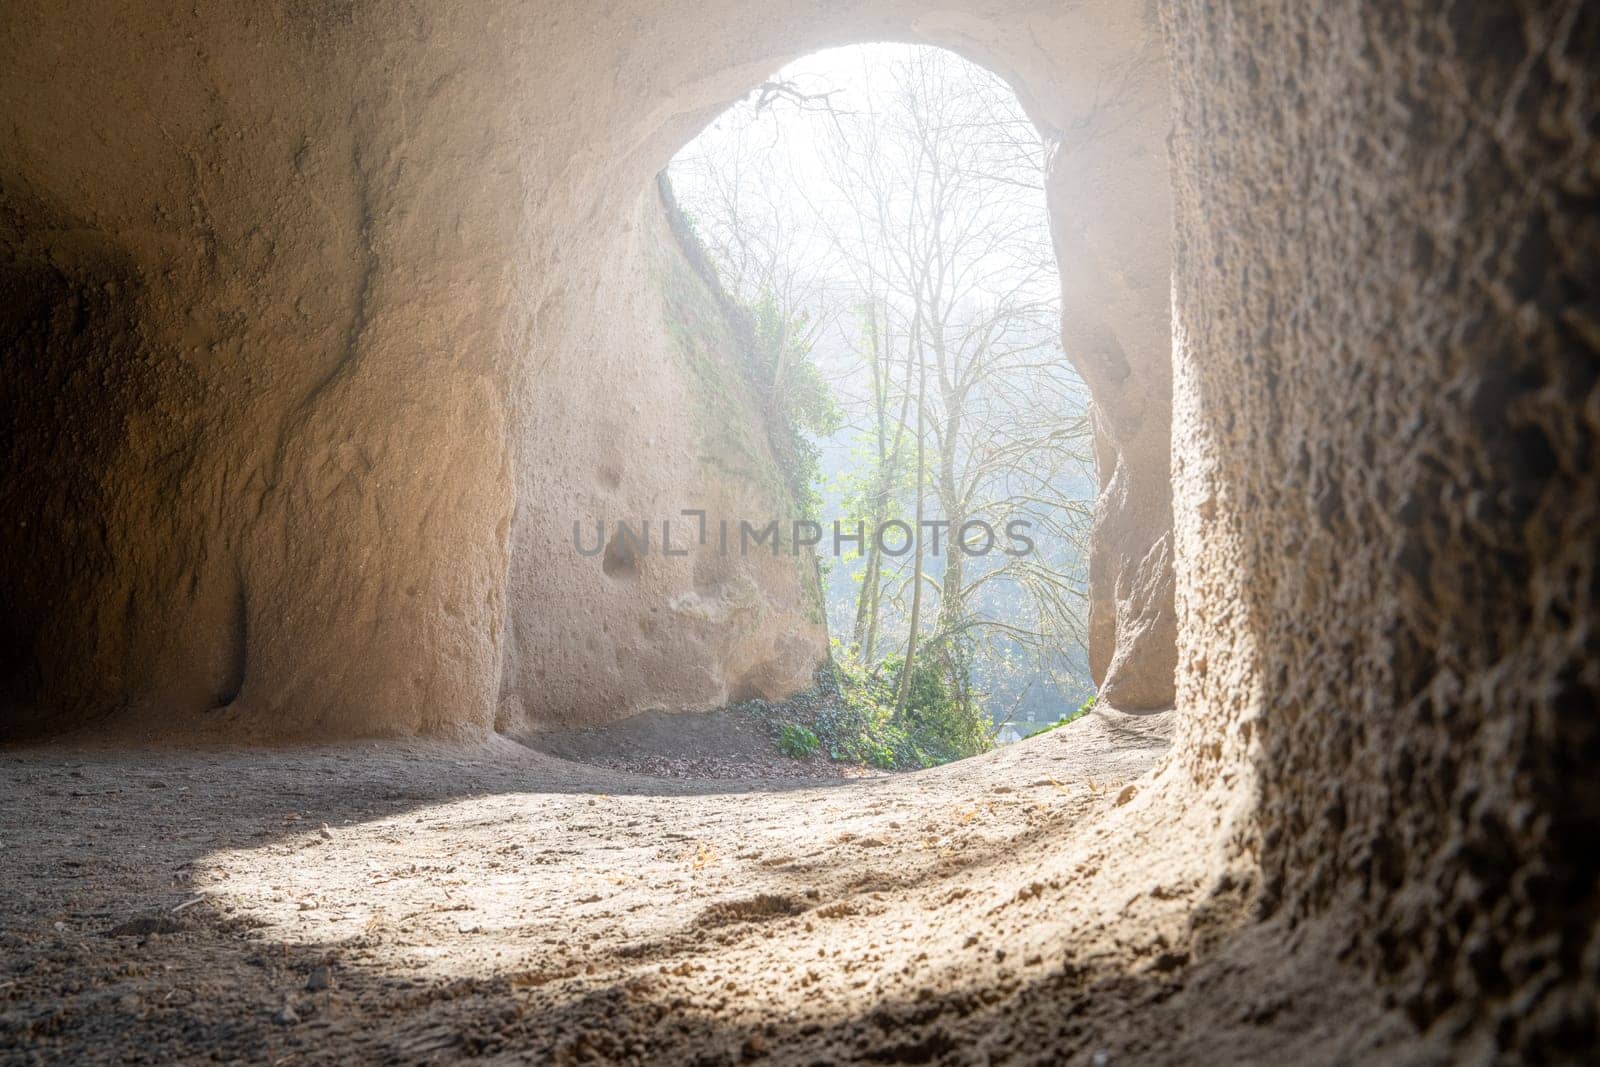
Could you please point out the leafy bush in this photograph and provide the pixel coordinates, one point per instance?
(851, 717)
(942, 724)
(1072, 716)
(798, 742)
(860, 724)
(799, 401)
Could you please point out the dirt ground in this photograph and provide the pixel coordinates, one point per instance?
(416, 903)
(733, 743)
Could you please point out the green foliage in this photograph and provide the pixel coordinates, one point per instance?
(943, 723)
(861, 726)
(774, 359)
(801, 404)
(1072, 716)
(798, 742)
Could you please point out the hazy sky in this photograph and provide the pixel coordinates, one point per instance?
(772, 175)
(782, 175)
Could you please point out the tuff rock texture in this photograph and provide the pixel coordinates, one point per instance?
(284, 333)
(322, 321)
(327, 322)
(1387, 478)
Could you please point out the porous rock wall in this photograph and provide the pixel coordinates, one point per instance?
(323, 324)
(1387, 480)
(661, 422)
(319, 320)
(325, 321)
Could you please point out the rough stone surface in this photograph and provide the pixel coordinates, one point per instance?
(323, 326)
(346, 312)
(1108, 193)
(319, 321)
(1387, 445)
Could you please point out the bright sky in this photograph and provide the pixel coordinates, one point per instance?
(780, 164)
(821, 203)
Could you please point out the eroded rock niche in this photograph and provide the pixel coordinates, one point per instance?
(323, 323)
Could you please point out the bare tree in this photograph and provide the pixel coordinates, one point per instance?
(923, 212)
(944, 197)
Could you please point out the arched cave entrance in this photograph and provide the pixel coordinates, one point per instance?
(319, 320)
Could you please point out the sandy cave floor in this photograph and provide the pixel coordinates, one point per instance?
(411, 903)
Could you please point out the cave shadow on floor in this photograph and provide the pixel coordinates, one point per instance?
(96, 840)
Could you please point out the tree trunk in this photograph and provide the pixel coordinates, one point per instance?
(916, 540)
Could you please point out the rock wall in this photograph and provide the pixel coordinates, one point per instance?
(1108, 192)
(661, 421)
(1387, 473)
(324, 322)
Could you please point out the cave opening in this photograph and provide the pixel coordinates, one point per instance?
(874, 219)
(324, 323)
